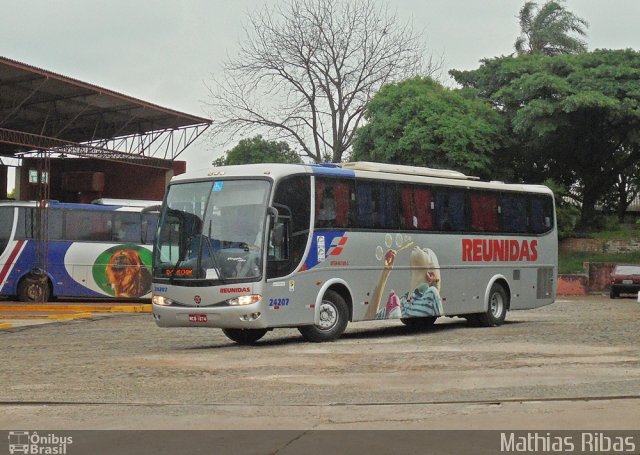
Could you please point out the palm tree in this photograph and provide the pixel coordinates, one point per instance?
(548, 29)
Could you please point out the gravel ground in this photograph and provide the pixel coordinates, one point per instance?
(564, 363)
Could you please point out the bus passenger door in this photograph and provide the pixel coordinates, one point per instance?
(287, 240)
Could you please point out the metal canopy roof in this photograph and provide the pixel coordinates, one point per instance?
(42, 110)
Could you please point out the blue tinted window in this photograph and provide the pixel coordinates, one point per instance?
(514, 213)
(377, 205)
(450, 210)
(541, 214)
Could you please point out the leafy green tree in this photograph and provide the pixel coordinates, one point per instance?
(420, 122)
(548, 30)
(258, 150)
(624, 191)
(567, 211)
(576, 117)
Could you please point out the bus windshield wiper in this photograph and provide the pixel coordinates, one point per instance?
(175, 269)
(214, 260)
(178, 262)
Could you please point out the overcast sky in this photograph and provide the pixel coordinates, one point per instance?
(163, 51)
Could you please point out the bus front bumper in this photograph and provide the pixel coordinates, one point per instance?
(236, 317)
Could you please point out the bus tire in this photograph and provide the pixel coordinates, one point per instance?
(419, 323)
(334, 317)
(33, 289)
(244, 336)
(496, 311)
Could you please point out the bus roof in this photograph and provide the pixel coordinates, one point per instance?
(383, 171)
(104, 204)
(408, 170)
(126, 202)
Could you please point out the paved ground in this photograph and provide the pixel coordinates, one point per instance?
(18, 314)
(571, 365)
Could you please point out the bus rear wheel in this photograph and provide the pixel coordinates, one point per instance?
(244, 336)
(419, 323)
(496, 311)
(34, 288)
(334, 316)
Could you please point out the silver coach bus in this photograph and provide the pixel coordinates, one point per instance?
(255, 247)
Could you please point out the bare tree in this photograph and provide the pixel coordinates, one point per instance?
(307, 70)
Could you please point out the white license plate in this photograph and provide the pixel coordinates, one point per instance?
(197, 318)
(627, 281)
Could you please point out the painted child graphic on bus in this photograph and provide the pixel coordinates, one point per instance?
(423, 298)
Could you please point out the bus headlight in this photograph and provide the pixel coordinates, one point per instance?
(161, 300)
(245, 299)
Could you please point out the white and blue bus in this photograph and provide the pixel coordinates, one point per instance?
(255, 247)
(53, 249)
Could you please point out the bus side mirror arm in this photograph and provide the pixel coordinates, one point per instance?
(277, 235)
(273, 216)
(276, 228)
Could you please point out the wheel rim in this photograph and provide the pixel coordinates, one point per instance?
(496, 305)
(328, 315)
(34, 292)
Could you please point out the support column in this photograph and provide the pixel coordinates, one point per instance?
(3, 181)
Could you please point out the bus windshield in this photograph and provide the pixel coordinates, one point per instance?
(212, 230)
(6, 222)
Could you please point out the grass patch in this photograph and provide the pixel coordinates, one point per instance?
(571, 262)
(623, 232)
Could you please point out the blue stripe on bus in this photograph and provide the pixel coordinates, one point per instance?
(95, 207)
(312, 259)
(331, 169)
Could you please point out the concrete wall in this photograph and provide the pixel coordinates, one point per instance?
(573, 284)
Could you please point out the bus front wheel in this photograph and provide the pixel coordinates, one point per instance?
(334, 316)
(244, 336)
(34, 288)
(496, 311)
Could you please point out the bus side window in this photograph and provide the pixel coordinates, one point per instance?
(333, 204)
(484, 211)
(54, 223)
(126, 227)
(385, 202)
(514, 213)
(148, 227)
(364, 204)
(86, 225)
(278, 241)
(24, 229)
(100, 226)
(6, 224)
(377, 205)
(73, 225)
(416, 203)
(342, 192)
(541, 214)
(27, 227)
(450, 210)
